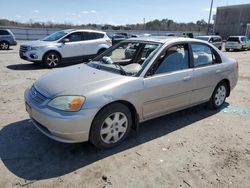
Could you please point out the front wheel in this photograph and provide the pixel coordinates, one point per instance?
(51, 59)
(4, 45)
(111, 126)
(219, 96)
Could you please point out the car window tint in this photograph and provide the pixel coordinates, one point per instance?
(202, 55)
(74, 37)
(233, 39)
(148, 49)
(4, 32)
(175, 58)
(99, 35)
(89, 36)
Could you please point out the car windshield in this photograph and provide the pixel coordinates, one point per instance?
(55, 36)
(233, 39)
(127, 58)
(203, 38)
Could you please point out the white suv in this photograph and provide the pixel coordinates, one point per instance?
(237, 43)
(65, 45)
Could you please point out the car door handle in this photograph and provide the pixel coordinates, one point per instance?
(187, 78)
(218, 71)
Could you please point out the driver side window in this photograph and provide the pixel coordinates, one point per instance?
(175, 58)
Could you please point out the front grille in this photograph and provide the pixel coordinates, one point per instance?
(23, 48)
(36, 96)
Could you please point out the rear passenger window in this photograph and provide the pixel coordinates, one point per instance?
(175, 58)
(203, 55)
(89, 36)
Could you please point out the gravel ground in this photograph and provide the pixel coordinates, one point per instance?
(191, 148)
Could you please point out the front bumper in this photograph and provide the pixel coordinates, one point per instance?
(67, 127)
(31, 55)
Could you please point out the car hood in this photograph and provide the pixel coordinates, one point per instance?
(77, 80)
(37, 43)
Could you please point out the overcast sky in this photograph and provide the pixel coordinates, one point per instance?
(109, 11)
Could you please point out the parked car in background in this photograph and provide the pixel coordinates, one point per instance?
(103, 100)
(7, 39)
(188, 35)
(237, 43)
(118, 38)
(213, 39)
(66, 45)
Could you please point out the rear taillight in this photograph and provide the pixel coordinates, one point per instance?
(109, 41)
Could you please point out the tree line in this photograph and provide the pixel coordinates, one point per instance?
(154, 25)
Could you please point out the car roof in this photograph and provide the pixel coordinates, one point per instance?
(209, 36)
(162, 39)
(82, 30)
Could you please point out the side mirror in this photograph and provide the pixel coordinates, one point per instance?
(65, 40)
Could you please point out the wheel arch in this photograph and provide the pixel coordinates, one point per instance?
(130, 106)
(227, 82)
(4, 40)
(101, 50)
(55, 51)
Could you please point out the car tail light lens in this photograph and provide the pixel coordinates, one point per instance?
(109, 41)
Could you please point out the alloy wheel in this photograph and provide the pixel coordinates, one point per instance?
(114, 127)
(52, 60)
(220, 95)
(4, 46)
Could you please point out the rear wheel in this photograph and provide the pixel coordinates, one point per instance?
(4, 45)
(219, 96)
(111, 126)
(51, 59)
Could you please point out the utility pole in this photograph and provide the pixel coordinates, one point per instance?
(210, 12)
(144, 23)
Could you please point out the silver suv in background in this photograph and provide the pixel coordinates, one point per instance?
(237, 43)
(213, 39)
(7, 39)
(66, 45)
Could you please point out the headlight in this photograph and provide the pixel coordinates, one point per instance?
(67, 103)
(36, 47)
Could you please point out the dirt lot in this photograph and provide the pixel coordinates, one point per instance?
(191, 148)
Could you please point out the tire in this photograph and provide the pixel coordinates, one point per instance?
(227, 50)
(110, 126)
(219, 48)
(51, 59)
(4, 45)
(219, 96)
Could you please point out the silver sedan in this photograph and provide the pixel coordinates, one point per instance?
(101, 101)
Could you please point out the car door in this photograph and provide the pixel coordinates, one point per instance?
(72, 48)
(89, 43)
(208, 71)
(168, 83)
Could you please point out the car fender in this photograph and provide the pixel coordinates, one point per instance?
(101, 46)
(52, 48)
